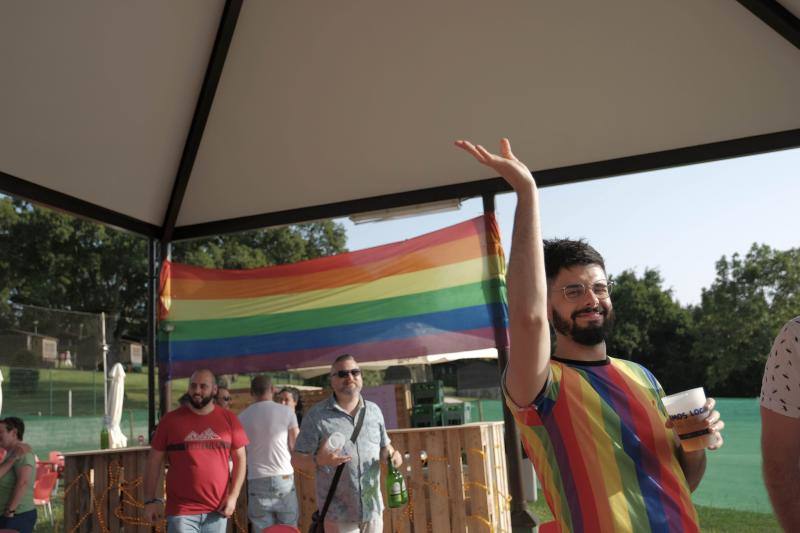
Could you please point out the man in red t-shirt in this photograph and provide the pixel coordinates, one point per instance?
(198, 439)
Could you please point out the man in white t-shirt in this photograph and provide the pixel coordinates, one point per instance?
(272, 431)
(780, 425)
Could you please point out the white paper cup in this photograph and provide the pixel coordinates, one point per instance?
(688, 413)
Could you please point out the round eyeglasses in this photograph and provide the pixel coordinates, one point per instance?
(576, 291)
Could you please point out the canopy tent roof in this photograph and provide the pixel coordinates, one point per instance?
(184, 118)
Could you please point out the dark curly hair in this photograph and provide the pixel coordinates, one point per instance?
(566, 253)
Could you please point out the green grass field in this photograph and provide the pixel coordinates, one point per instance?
(50, 397)
(712, 520)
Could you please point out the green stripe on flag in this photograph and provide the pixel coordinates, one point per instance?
(485, 292)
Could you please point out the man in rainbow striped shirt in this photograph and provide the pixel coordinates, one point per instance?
(593, 425)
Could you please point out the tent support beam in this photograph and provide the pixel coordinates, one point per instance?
(37, 194)
(152, 324)
(757, 144)
(222, 43)
(521, 518)
(777, 17)
(704, 153)
(164, 385)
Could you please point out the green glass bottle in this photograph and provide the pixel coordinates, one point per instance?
(104, 435)
(396, 490)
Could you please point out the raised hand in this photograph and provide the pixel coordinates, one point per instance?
(506, 163)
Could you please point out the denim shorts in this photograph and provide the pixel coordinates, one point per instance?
(271, 500)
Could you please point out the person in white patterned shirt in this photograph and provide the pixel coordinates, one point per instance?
(780, 425)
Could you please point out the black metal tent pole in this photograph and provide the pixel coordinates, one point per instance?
(521, 518)
(164, 386)
(205, 100)
(777, 17)
(152, 324)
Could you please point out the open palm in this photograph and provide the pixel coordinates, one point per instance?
(506, 163)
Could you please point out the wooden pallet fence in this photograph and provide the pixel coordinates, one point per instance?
(456, 478)
(104, 492)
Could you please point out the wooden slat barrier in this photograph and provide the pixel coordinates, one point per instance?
(456, 477)
(104, 492)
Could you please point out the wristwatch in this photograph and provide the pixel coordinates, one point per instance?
(154, 500)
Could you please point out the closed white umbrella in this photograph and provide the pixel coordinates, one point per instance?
(116, 438)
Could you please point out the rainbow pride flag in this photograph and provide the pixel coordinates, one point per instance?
(439, 293)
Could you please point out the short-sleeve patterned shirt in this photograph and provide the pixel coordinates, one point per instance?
(606, 461)
(358, 495)
(780, 387)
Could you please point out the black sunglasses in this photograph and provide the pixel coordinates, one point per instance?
(355, 372)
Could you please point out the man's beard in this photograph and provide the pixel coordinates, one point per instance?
(588, 336)
(203, 402)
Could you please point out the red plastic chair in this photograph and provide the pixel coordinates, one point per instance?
(57, 458)
(43, 489)
(280, 528)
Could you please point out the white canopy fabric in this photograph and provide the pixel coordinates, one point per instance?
(116, 396)
(141, 114)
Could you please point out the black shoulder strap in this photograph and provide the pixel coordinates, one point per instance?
(338, 473)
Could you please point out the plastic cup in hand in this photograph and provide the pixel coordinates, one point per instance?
(335, 442)
(688, 413)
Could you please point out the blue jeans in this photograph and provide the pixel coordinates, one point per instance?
(197, 523)
(271, 500)
(23, 522)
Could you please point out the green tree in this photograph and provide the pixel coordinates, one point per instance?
(8, 217)
(57, 261)
(740, 314)
(272, 246)
(654, 330)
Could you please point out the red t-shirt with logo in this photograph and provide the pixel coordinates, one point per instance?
(198, 448)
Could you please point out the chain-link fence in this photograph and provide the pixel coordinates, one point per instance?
(52, 365)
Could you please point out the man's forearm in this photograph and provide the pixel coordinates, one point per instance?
(303, 461)
(783, 486)
(19, 488)
(7, 464)
(386, 452)
(693, 465)
(152, 476)
(527, 297)
(239, 472)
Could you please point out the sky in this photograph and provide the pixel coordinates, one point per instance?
(679, 221)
